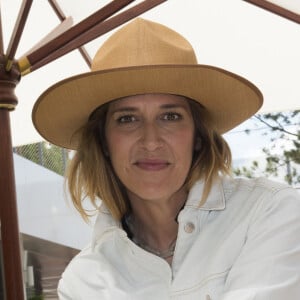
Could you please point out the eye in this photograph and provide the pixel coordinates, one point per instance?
(126, 119)
(171, 116)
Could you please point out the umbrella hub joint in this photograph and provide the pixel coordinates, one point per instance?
(8, 82)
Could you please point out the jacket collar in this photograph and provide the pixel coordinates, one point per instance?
(215, 201)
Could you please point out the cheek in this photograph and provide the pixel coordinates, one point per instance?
(118, 150)
(183, 145)
(113, 144)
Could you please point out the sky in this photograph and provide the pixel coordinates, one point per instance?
(231, 34)
(249, 138)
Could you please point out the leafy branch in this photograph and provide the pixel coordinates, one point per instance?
(282, 155)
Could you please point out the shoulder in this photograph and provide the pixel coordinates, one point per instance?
(82, 272)
(80, 263)
(259, 186)
(71, 279)
(262, 195)
(90, 257)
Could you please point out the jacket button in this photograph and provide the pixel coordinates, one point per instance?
(189, 227)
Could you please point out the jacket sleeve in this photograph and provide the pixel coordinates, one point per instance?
(268, 267)
(64, 292)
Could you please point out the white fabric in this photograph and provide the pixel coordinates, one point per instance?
(245, 246)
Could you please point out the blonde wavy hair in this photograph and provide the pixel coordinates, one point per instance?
(90, 174)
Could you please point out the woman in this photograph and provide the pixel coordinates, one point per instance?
(172, 223)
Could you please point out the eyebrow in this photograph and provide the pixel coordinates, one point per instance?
(168, 106)
(134, 109)
(123, 109)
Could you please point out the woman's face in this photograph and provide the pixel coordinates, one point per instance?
(150, 142)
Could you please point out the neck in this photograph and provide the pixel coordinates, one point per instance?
(154, 222)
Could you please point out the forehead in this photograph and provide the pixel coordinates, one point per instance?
(150, 100)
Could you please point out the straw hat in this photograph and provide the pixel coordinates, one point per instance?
(143, 57)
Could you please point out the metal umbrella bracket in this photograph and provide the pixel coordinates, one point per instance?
(64, 40)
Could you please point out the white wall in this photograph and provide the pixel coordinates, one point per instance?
(43, 209)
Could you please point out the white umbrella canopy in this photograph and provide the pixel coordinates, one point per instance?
(232, 34)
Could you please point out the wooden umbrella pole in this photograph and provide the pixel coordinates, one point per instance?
(1, 35)
(12, 264)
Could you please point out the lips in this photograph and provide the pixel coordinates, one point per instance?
(152, 164)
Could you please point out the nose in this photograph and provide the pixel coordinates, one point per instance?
(151, 138)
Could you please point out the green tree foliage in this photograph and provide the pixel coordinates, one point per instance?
(49, 156)
(282, 153)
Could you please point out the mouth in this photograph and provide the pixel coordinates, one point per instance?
(152, 164)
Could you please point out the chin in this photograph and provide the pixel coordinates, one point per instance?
(155, 191)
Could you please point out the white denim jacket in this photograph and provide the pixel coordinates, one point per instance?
(243, 244)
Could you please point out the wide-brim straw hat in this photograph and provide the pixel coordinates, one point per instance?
(143, 57)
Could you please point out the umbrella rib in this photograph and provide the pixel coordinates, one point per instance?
(85, 56)
(57, 9)
(99, 16)
(17, 32)
(283, 12)
(96, 31)
(62, 17)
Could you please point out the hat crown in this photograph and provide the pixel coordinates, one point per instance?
(141, 43)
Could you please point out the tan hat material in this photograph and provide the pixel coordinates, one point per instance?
(143, 57)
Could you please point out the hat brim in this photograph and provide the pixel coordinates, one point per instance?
(66, 106)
